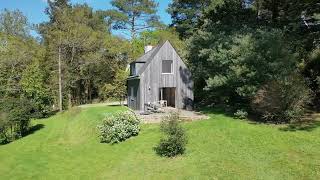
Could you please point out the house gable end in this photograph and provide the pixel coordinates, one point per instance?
(154, 52)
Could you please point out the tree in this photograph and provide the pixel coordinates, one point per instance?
(234, 65)
(118, 88)
(186, 15)
(14, 59)
(282, 100)
(159, 36)
(311, 72)
(4, 128)
(15, 118)
(20, 60)
(56, 6)
(134, 15)
(14, 23)
(238, 49)
(35, 87)
(89, 58)
(156, 37)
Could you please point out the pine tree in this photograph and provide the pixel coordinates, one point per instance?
(134, 16)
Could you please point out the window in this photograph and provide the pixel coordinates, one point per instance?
(132, 69)
(167, 66)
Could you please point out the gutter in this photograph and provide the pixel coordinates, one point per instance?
(133, 77)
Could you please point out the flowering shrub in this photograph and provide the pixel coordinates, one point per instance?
(119, 127)
(241, 114)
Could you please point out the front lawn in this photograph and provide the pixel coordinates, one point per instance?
(66, 146)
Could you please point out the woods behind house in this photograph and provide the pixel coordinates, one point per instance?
(259, 57)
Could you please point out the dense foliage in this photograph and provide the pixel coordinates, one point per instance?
(119, 127)
(174, 141)
(237, 48)
(14, 23)
(78, 37)
(15, 116)
(311, 71)
(133, 16)
(257, 57)
(117, 89)
(186, 14)
(74, 60)
(236, 64)
(282, 100)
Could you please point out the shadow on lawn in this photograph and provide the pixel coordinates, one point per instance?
(117, 105)
(310, 122)
(302, 126)
(214, 110)
(32, 130)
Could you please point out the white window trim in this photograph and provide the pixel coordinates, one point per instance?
(172, 66)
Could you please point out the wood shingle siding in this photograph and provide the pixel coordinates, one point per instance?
(150, 79)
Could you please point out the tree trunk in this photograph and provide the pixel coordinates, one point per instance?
(69, 100)
(275, 11)
(89, 91)
(133, 24)
(60, 81)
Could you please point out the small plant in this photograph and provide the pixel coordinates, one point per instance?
(175, 138)
(241, 114)
(119, 127)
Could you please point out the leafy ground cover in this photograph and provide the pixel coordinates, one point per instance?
(66, 146)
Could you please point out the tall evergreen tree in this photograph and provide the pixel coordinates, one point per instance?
(134, 16)
(54, 7)
(186, 15)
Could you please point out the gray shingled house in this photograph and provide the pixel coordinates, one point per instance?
(160, 74)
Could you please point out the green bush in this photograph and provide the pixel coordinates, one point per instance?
(243, 60)
(16, 116)
(175, 138)
(119, 127)
(283, 100)
(241, 114)
(4, 128)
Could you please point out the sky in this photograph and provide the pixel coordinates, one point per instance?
(34, 9)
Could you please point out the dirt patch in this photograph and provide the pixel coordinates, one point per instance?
(183, 114)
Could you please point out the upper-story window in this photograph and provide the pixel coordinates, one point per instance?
(132, 69)
(135, 68)
(167, 66)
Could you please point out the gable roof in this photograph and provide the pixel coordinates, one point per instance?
(148, 57)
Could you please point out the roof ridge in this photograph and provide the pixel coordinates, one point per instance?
(156, 50)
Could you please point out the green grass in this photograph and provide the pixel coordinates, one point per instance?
(67, 147)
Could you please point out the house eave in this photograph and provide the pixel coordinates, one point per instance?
(133, 77)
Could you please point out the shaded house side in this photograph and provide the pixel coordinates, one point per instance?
(160, 74)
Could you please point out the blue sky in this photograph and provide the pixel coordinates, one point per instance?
(34, 9)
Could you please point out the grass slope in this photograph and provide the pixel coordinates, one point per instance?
(67, 147)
